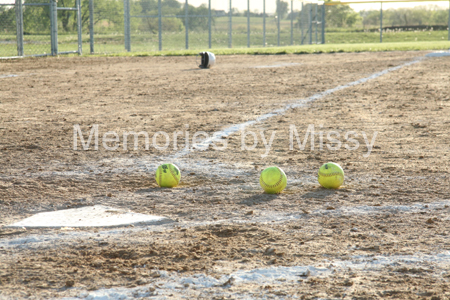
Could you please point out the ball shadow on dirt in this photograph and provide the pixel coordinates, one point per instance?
(319, 193)
(259, 199)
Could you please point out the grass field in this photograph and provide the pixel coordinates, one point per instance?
(113, 48)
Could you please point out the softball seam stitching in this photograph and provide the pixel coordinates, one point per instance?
(171, 172)
(274, 185)
(159, 176)
(329, 175)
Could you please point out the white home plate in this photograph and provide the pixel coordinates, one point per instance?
(91, 216)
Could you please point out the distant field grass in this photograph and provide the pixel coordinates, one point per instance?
(174, 42)
(305, 49)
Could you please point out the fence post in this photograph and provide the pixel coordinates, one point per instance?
(230, 25)
(310, 23)
(91, 25)
(126, 22)
(316, 22)
(19, 26)
(209, 24)
(159, 26)
(248, 23)
(302, 15)
(186, 22)
(264, 23)
(54, 26)
(292, 22)
(278, 22)
(323, 23)
(80, 38)
(381, 22)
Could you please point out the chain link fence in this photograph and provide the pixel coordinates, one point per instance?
(36, 27)
(175, 25)
(8, 41)
(387, 22)
(104, 21)
(43, 27)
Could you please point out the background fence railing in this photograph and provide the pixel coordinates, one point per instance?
(50, 27)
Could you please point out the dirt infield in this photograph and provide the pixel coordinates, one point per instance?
(391, 213)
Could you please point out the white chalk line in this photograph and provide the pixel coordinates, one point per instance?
(217, 136)
(8, 76)
(261, 217)
(169, 283)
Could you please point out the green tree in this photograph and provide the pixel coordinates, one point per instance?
(341, 16)
(107, 13)
(36, 19)
(7, 20)
(201, 21)
(282, 8)
(149, 8)
(370, 18)
(419, 15)
(439, 16)
(172, 4)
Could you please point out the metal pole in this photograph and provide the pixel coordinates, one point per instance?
(54, 27)
(381, 22)
(159, 26)
(264, 23)
(278, 17)
(125, 16)
(80, 41)
(316, 22)
(449, 20)
(209, 24)
(91, 25)
(126, 23)
(302, 15)
(230, 25)
(310, 23)
(248, 23)
(19, 26)
(186, 22)
(323, 23)
(292, 22)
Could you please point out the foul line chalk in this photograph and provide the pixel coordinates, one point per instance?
(8, 76)
(217, 136)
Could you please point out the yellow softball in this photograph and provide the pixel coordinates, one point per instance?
(331, 175)
(168, 175)
(273, 180)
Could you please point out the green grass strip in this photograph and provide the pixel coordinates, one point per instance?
(305, 49)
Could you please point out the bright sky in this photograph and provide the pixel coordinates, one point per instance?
(271, 4)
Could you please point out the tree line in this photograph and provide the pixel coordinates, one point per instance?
(108, 16)
(345, 16)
